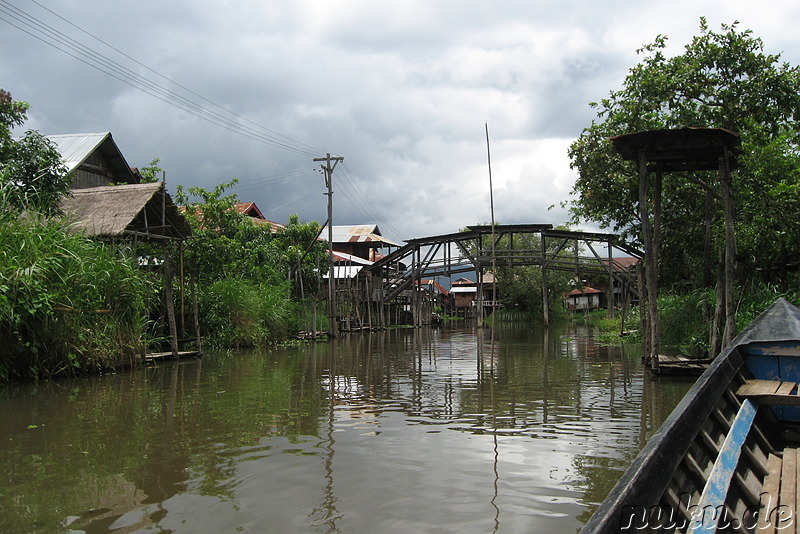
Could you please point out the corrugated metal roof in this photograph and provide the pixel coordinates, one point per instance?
(343, 256)
(365, 233)
(585, 291)
(76, 148)
(463, 289)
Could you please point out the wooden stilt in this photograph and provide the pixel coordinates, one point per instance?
(168, 295)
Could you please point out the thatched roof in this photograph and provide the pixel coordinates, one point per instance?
(143, 210)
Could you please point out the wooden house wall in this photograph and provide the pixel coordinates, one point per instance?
(584, 302)
(95, 172)
(360, 250)
(463, 300)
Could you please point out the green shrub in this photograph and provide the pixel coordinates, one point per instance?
(241, 313)
(67, 304)
(685, 320)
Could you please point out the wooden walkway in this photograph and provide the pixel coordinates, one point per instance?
(158, 356)
(680, 365)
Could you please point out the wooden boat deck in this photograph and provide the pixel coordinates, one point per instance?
(780, 492)
(727, 458)
(771, 392)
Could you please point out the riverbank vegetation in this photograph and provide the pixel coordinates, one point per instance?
(685, 329)
(255, 287)
(67, 304)
(70, 304)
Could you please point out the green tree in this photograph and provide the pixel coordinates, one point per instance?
(151, 173)
(721, 80)
(251, 279)
(32, 175)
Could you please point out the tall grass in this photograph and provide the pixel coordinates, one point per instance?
(685, 317)
(243, 313)
(685, 320)
(758, 297)
(67, 304)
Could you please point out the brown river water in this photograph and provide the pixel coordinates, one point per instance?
(440, 430)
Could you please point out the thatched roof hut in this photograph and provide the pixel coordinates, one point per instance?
(136, 210)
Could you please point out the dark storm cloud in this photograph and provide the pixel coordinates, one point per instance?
(402, 91)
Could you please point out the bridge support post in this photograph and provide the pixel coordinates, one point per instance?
(545, 291)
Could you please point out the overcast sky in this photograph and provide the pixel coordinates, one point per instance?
(254, 90)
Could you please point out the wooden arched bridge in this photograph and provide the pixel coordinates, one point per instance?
(393, 286)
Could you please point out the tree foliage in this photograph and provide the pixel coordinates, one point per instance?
(150, 173)
(252, 281)
(722, 79)
(32, 175)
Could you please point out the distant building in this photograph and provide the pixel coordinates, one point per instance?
(251, 210)
(464, 292)
(93, 159)
(585, 299)
(362, 241)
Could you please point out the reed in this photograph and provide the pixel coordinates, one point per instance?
(67, 304)
(239, 312)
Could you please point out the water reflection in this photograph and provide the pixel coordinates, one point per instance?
(446, 430)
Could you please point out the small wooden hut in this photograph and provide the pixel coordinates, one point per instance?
(140, 213)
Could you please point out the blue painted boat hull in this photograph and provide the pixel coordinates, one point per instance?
(705, 469)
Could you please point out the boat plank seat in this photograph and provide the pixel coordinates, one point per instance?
(718, 481)
(779, 500)
(770, 392)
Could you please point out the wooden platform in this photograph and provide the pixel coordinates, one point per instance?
(680, 365)
(157, 356)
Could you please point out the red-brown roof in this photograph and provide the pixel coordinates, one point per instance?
(435, 284)
(248, 209)
(585, 291)
(622, 263)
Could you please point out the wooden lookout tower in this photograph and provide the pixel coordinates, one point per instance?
(685, 151)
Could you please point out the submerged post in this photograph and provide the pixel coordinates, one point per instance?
(168, 297)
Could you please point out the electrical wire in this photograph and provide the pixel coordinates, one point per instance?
(299, 143)
(29, 24)
(73, 48)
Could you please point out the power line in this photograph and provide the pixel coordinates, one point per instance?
(52, 37)
(365, 202)
(276, 179)
(299, 143)
(228, 120)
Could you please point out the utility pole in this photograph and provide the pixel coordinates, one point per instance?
(327, 168)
